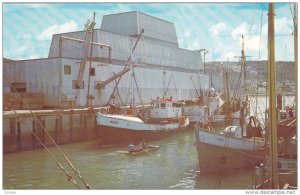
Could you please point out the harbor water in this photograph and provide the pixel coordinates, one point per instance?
(174, 166)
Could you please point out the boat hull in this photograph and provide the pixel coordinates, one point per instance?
(223, 157)
(148, 150)
(115, 131)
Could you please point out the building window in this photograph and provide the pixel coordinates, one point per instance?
(74, 85)
(93, 72)
(67, 69)
(18, 87)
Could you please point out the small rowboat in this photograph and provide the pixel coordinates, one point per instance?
(149, 149)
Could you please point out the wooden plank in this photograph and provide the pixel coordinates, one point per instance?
(32, 106)
(14, 99)
(33, 100)
(286, 186)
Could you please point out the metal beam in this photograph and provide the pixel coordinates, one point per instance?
(119, 74)
(82, 41)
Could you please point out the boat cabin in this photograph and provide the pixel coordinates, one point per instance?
(233, 131)
(283, 115)
(164, 109)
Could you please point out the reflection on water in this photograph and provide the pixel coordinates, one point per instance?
(174, 166)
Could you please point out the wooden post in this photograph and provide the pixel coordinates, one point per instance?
(85, 126)
(34, 131)
(56, 128)
(43, 130)
(19, 135)
(12, 134)
(71, 126)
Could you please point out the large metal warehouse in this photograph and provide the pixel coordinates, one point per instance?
(160, 65)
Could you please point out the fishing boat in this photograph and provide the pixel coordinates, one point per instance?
(210, 105)
(286, 172)
(164, 118)
(287, 128)
(279, 170)
(230, 148)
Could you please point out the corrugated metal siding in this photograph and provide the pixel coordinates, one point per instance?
(131, 23)
(150, 83)
(157, 28)
(40, 76)
(146, 51)
(43, 76)
(122, 23)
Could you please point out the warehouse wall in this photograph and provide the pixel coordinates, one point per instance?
(150, 83)
(40, 75)
(131, 24)
(147, 50)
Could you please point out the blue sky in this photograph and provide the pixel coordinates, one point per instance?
(217, 27)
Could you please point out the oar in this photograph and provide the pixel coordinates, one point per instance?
(147, 151)
(120, 151)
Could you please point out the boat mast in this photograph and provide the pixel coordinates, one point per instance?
(243, 58)
(272, 95)
(131, 81)
(296, 50)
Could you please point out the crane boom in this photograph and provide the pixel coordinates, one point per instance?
(89, 30)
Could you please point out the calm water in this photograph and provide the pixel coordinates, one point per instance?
(174, 166)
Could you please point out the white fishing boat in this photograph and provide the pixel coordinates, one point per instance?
(164, 119)
(212, 108)
(228, 150)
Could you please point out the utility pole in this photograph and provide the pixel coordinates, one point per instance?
(205, 51)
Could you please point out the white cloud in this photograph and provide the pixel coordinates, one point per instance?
(283, 26)
(55, 29)
(237, 32)
(193, 44)
(36, 5)
(252, 43)
(187, 34)
(218, 29)
(265, 29)
(21, 51)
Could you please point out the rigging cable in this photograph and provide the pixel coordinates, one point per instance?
(109, 68)
(138, 90)
(250, 29)
(128, 60)
(260, 35)
(77, 173)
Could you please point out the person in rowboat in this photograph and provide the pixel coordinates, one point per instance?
(131, 148)
(143, 144)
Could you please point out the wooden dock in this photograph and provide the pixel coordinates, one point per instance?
(64, 126)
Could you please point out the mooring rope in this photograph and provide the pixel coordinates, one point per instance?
(70, 178)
